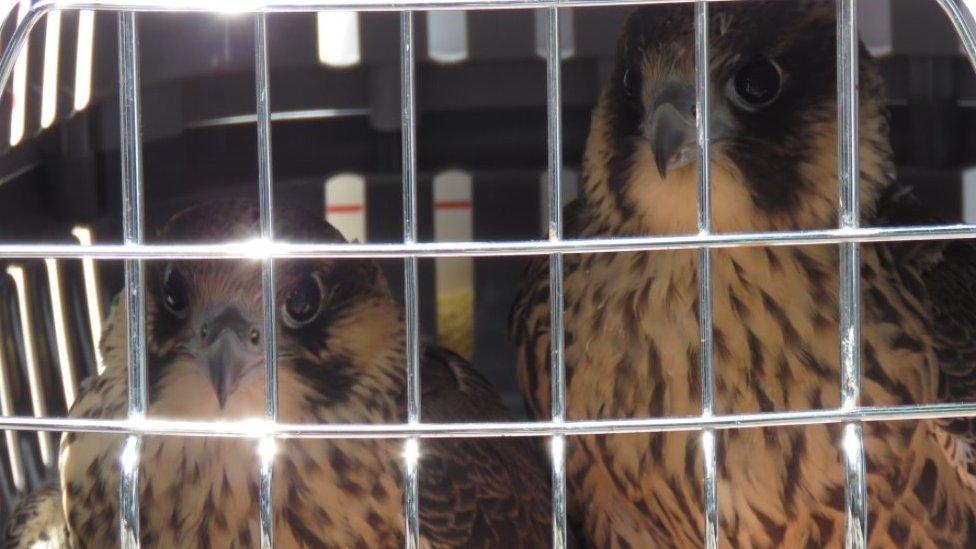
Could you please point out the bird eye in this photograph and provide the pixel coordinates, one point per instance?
(632, 83)
(757, 84)
(304, 303)
(175, 295)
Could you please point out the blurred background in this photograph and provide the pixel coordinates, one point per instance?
(335, 96)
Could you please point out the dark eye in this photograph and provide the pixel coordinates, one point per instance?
(757, 84)
(304, 303)
(632, 83)
(175, 295)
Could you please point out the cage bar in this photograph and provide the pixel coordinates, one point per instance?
(421, 430)
(266, 447)
(959, 12)
(132, 227)
(66, 365)
(49, 86)
(556, 329)
(294, 250)
(18, 103)
(709, 461)
(84, 59)
(93, 295)
(38, 399)
(855, 482)
(18, 473)
(411, 285)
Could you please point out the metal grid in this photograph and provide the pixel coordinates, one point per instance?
(848, 236)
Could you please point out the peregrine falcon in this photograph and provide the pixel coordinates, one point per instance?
(631, 319)
(341, 359)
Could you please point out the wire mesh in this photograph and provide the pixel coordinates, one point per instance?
(556, 296)
(709, 459)
(848, 236)
(266, 200)
(133, 215)
(411, 499)
(855, 506)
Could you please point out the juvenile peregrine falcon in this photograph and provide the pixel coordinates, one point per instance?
(341, 359)
(631, 319)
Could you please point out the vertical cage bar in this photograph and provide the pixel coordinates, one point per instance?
(19, 275)
(61, 333)
(705, 272)
(15, 44)
(132, 227)
(850, 326)
(556, 343)
(266, 199)
(93, 296)
(18, 472)
(18, 41)
(411, 285)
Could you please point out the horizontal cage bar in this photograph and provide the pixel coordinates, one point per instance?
(285, 250)
(261, 429)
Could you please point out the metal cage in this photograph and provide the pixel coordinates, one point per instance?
(848, 236)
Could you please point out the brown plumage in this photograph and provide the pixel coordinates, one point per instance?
(37, 521)
(341, 360)
(631, 319)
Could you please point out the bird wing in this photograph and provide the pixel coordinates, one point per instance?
(944, 272)
(528, 320)
(38, 521)
(477, 492)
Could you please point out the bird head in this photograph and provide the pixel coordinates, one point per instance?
(339, 332)
(772, 99)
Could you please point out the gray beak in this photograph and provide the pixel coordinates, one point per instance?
(672, 130)
(230, 348)
(673, 138)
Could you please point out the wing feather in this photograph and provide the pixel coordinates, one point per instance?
(38, 521)
(945, 271)
(477, 492)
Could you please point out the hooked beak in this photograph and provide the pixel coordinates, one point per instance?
(672, 130)
(228, 352)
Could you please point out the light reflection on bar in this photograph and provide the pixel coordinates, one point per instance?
(38, 401)
(18, 103)
(83, 59)
(17, 472)
(61, 331)
(92, 294)
(52, 54)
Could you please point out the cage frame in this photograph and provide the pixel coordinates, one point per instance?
(848, 236)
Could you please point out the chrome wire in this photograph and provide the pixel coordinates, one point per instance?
(266, 201)
(411, 284)
(265, 6)
(960, 15)
(259, 429)
(709, 459)
(293, 250)
(556, 328)
(855, 482)
(957, 10)
(132, 227)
